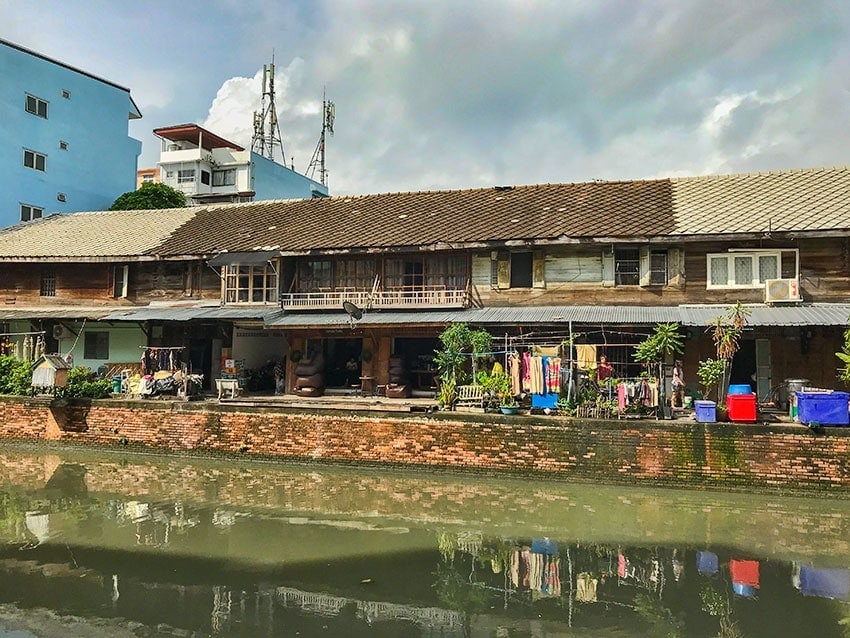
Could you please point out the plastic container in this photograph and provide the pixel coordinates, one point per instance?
(706, 411)
(116, 384)
(740, 388)
(826, 408)
(741, 407)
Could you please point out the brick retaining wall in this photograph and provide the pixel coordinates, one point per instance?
(666, 453)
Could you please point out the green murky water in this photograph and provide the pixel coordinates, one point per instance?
(109, 544)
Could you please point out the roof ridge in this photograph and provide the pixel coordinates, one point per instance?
(777, 171)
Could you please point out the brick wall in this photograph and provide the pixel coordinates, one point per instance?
(706, 455)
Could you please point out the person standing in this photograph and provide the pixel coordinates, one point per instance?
(677, 399)
(604, 370)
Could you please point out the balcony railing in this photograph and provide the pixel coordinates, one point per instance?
(396, 298)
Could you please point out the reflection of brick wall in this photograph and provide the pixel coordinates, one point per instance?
(671, 454)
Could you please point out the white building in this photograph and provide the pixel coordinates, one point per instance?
(208, 168)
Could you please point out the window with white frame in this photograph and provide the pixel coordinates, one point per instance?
(35, 161)
(186, 176)
(226, 177)
(250, 283)
(36, 106)
(743, 269)
(29, 213)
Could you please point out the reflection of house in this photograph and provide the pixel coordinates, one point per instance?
(208, 168)
(64, 137)
(609, 258)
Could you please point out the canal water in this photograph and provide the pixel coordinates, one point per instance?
(112, 544)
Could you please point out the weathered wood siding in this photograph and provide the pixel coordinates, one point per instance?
(92, 283)
(577, 275)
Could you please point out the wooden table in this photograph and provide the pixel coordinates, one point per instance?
(367, 383)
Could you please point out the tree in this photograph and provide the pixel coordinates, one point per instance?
(726, 332)
(149, 196)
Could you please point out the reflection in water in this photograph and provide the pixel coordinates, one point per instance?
(233, 549)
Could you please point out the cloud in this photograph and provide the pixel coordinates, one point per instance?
(441, 94)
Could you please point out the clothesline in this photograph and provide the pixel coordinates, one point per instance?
(22, 334)
(162, 347)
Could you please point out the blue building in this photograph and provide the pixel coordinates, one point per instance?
(64, 135)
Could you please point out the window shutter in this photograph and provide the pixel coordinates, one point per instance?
(645, 278)
(608, 267)
(503, 279)
(676, 267)
(538, 269)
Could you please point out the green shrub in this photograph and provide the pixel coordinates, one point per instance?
(82, 382)
(15, 376)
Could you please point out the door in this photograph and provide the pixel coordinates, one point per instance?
(763, 382)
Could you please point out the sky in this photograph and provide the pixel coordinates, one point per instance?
(446, 94)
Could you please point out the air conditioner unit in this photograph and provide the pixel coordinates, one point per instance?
(61, 332)
(781, 290)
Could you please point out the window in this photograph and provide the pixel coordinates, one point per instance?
(62, 197)
(48, 283)
(35, 161)
(522, 269)
(148, 177)
(63, 145)
(658, 268)
(743, 269)
(315, 275)
(627, 266)
(29, 213)
(36, 106)
(96, 345)
(186, 176)
(120, 280)
(250, 284)
(205, 177)
(66, 94)
(224, 178)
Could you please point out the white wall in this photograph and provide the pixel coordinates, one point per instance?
(257, 346)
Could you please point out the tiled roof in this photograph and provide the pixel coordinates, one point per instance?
(755, 203)
(98, 234)
(779, 201)
(434, 218)
(811, 200)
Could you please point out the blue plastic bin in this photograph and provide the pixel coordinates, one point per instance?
(826, 408)
(740, 388)
(706, 411)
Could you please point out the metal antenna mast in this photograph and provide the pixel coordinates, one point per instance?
(317, 162)
(267, 135)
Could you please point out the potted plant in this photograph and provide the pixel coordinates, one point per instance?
(507, 401)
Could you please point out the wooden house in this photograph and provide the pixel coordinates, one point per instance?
(267, 280)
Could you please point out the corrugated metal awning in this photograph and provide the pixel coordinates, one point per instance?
(816, 314)
(761, 315)
(64, 312)
(188, 313)
(246, 258)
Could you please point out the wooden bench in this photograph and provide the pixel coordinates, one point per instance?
(470, 398)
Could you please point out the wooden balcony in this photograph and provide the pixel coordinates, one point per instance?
(418, 298)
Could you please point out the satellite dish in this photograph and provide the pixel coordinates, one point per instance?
(353, 311)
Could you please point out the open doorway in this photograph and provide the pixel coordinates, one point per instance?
(744, 364)
(343, 366)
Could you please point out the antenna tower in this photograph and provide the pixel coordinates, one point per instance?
(317, 162)
(267, 135)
